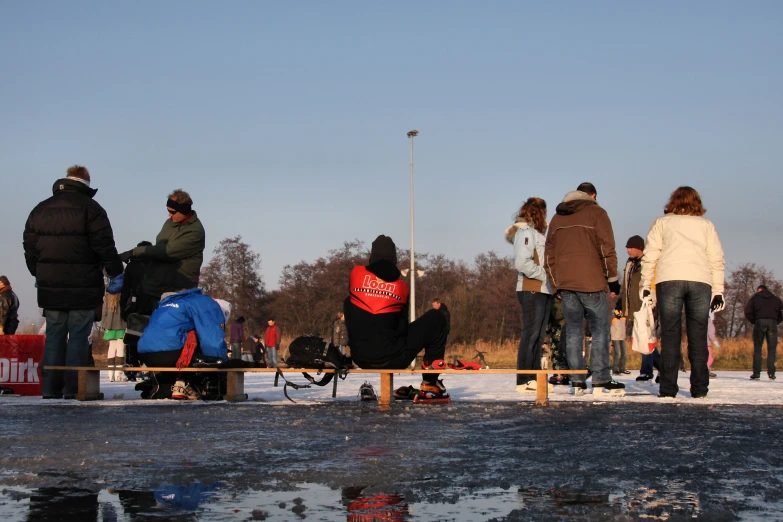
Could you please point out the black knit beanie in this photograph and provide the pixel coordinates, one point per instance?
(635, 242)
(383, 248)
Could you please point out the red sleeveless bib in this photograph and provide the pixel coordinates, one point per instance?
(372, 294)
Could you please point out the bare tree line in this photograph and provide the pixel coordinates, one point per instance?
(480, 296)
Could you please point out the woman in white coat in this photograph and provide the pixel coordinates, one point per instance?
(684, 257)
(533, 290)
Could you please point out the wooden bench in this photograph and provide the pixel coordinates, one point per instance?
(89, 379)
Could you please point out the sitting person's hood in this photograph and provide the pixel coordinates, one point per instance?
(383, 259)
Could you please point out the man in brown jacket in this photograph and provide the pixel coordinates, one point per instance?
(581, 263)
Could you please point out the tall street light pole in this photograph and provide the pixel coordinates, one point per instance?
(411, 135)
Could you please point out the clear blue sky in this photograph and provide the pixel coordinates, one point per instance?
(287, 121)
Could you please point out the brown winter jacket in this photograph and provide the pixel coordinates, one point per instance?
(579, 252)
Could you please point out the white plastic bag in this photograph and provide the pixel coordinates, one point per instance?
(644, 328)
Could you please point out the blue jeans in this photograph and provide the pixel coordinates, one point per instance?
(695, 298)
(66, 345)
(618, 365)
(765, 329)
(536, 308)
(594, 306)
(271, 357)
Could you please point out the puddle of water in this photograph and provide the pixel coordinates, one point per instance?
(219, 502)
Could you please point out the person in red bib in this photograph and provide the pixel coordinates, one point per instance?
(376, 317)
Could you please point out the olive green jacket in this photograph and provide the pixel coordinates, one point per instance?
(176, 257)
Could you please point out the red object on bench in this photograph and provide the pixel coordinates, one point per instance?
(20, 363)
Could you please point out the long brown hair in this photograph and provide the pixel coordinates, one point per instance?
(534, 212)
(685, 201)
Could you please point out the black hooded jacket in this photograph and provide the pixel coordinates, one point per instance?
(764, 305)
(68, 241)
(374, 338)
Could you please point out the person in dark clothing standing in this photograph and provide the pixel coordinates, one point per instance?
(439, 305)
(630, 302)
(9, 308)
(765, 311)
(339, 333)
(237, 337)
(68, 244)
(178, 252)
(133, 300)
(376, 315)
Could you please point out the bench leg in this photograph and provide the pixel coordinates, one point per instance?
(89, 386)
(235, 387)
(334, 385)
(387, 395)
(277, 376)
(542, 390)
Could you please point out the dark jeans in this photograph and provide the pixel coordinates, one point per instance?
(66, 345)
(695, 298)
(619, 356)
(577, 305)
(536, 308)
(765, 329)
(430, 332)
(650, 362)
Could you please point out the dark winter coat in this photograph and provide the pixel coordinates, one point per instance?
(630, 301)
(764, 305)
(68, 242)
(339, 333)
(176, 257)
(133, 300)
(376, 338)
(579, 252)
(9, 310)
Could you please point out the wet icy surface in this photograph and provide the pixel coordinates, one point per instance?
(502, 459)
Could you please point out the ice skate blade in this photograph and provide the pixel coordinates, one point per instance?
(440, 400)
(612, 393)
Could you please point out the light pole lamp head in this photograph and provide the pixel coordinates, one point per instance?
(413, 133)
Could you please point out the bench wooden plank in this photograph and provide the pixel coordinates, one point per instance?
(89, 379)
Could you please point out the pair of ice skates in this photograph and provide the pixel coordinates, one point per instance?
(611, 388)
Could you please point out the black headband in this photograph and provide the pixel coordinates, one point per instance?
(182, 208)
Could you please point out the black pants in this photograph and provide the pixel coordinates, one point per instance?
(165, 360)
(536, 308)
(429, 331)
(765, 329)
(11, 326)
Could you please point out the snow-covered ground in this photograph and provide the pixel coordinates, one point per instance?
(729, 387)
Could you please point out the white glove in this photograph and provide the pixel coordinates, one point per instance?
(642, 291)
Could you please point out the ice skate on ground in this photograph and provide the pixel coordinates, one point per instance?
(432, 394)
(367, 393)
(614, 388)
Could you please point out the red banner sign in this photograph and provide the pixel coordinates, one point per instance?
(20, 363)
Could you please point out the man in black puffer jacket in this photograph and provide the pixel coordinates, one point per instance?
(68, 242)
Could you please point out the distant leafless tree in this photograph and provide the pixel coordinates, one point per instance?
(234, 274)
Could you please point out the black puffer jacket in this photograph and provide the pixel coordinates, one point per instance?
(764, 305)
(68, 241)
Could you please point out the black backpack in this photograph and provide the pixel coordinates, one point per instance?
(310, 351)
